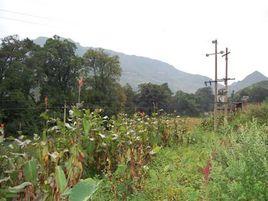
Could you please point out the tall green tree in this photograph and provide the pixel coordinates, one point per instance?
(204, 99)
(153, 97)
(103, 72)
(18, 80)
(130, 99)
(186, 104)
(60, 70)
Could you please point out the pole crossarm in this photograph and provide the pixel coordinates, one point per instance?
(209, 54)
(226, 54)
(228, 79)
(213, 81)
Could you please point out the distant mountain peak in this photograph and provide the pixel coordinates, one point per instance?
(256, 73)
(255, 77)
(250, 79)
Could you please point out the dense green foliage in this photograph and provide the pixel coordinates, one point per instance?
(17, 79)
(103, 72)
(58, 71)
(152, 97)
(240, 166)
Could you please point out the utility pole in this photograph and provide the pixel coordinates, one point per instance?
(216, 84)
(215, 42)
(226, 86)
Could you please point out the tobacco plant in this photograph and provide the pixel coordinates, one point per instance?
(74, 155)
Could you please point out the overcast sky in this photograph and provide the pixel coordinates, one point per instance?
(178, 32)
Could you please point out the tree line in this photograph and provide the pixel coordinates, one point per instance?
(35, 79)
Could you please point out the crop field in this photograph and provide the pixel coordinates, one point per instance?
(138, 157)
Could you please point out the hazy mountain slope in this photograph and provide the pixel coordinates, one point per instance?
(137, 70)
(262, 84)
(252, 78)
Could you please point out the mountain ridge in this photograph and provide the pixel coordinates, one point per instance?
(139, 69)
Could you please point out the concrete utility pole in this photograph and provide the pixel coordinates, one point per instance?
(215, 42)
(216, 84)
(226, 86)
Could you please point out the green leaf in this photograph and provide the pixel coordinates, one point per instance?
(121, 170)
(83, 190)
(30, 171)
(155, 150)
(60, 179)
(90, 148)
(153, 174)
(19, 188)
(4, 179)
(86, 126)
(1, 138)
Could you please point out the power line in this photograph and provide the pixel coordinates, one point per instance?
(37, 108)
(20, 13)
(30, 108)
(48, 19)
(24, 21)
(58, 106)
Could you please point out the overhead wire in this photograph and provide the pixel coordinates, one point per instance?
(24, 21)
(26, 15)
(60, 106)
(20, 13)
(30, 108)
(37, 108)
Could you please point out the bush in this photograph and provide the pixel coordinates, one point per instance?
(257, 112)
(240, 170)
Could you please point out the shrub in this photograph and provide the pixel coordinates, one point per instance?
(240, 170)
